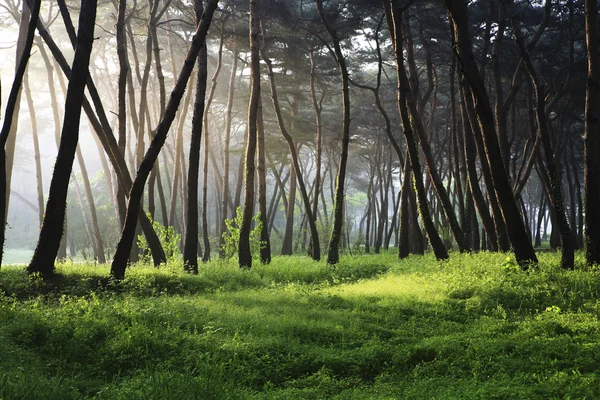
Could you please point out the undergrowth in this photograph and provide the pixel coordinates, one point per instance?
(474, 327)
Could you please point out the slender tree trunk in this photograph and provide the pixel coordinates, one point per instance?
(265, 245)
(190, 249)
(316, 247)
(127, 235)
(403, 91)
(52, 228)
(8, 129)
(333, 255)
(244, 251)
(226, 143)
(36, 149)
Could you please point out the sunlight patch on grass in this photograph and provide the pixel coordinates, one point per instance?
(395, 287)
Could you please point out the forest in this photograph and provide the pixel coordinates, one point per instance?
(299, 199)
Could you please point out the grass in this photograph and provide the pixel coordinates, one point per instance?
(475, 327)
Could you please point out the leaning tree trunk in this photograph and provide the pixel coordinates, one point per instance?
(101, 126)
(592, 138)
(244, 251)
(556, 196)
(411, 144)
(46, 249)
(333, 255)
(524, 253)
(137, 190)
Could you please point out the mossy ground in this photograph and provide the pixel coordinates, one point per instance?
(475, 327)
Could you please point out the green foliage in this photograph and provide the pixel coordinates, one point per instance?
(232, 236)
(169, 239)
(373, 327)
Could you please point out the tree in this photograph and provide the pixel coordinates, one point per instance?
(333, 255)
(46, 249)
(524, 253)
(127, 235)
(11, 106)
(244, 252)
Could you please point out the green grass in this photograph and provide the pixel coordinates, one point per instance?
(475, 327)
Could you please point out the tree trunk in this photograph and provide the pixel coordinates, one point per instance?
(556, 196)
(228, 118)
(333, 255)
(244, 251)
(265, 245)
(7, 127)
(524, 253)
(52, 228)
(127, 235)
(316, 247)
(404, 90)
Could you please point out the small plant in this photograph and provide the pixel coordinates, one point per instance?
(169, 239)
(232, 236)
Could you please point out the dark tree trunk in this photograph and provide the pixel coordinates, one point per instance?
(213, 87)
(265, 245)
(592, 137)
(556, 196)
(244, 251)
(127, 235)
(316, 248)
(102, 127)
(333, 255)
(524, 253)
(46, 250)
(404, 90)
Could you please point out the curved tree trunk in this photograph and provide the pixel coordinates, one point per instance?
(316, 247)
(333, 255)
(265, 245)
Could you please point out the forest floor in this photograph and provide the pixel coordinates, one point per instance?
(475, 327)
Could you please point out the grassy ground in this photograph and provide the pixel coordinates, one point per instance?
(475, 327)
